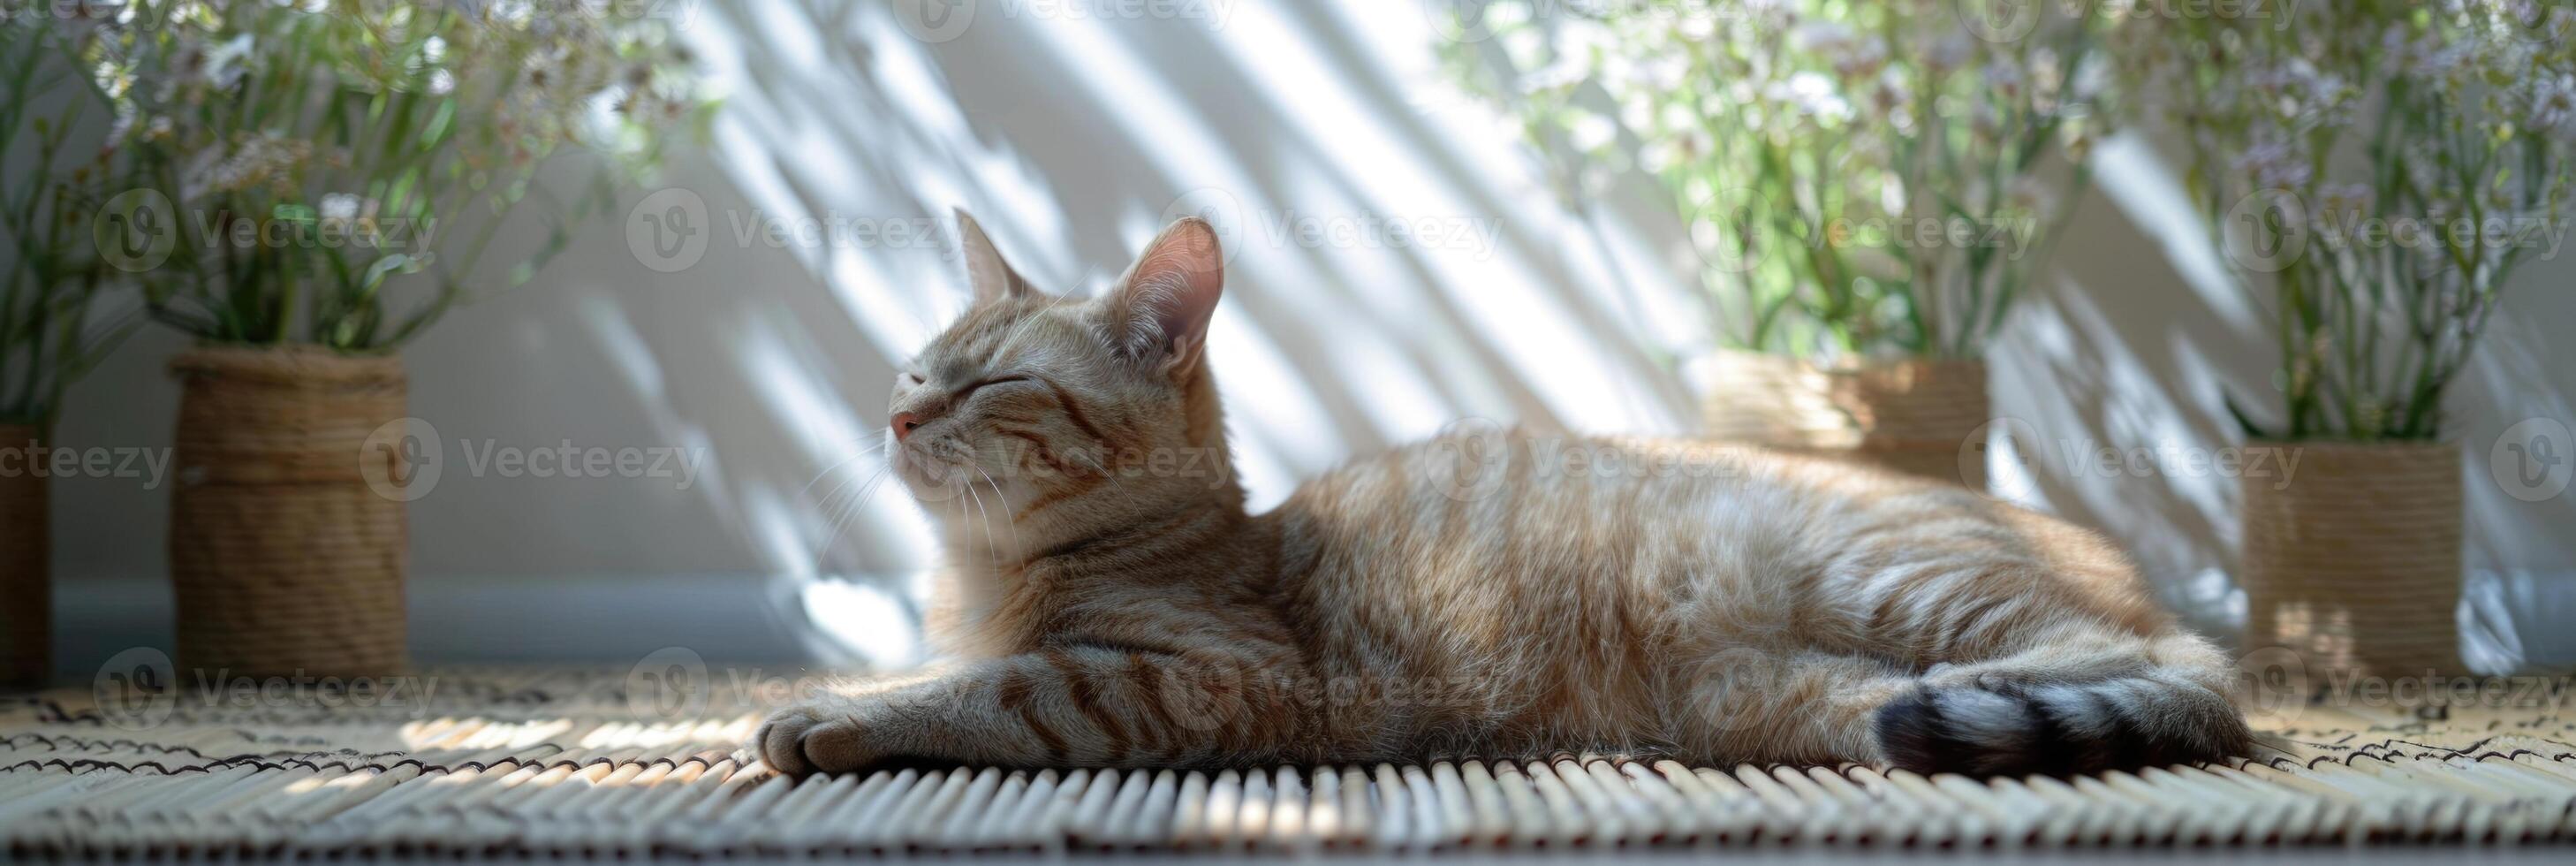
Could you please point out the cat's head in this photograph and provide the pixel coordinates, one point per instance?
(1037, 420)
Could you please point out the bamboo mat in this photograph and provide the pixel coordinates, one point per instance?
(569, 763)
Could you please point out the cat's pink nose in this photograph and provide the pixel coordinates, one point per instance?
(903, 425)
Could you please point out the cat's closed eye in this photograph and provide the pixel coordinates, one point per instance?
(968, 393)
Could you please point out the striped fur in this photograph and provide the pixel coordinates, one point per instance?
(1109, 602)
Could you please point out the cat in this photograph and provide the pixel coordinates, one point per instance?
(1107, 600)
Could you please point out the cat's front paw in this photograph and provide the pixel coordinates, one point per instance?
(815, 738)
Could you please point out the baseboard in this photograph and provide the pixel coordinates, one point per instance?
(515, 620)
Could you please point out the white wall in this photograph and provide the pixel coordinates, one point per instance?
(1073, 140)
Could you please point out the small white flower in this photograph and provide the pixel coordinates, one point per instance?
(1593, 132)
(1811, 94)
(339, 206)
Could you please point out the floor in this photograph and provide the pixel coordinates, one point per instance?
(608, 763)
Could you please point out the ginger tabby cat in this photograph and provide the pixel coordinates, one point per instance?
(1110, 602)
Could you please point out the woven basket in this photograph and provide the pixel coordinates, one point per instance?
(285, 560)
(1917, 416)
(26, 589)
(2352, 558)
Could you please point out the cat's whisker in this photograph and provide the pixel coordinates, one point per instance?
(849, 509)
(1008, 520)
(991, 546)
(827, 473)
(867, 450)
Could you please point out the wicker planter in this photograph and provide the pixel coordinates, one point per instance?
(285, 560)
(26, 587)
(2352, 559)
(1911, 415)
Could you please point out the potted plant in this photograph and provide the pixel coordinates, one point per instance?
(2375, 171)
(307, 161)
(1867, 186)
(53, 326)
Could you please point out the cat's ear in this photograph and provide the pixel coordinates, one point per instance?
(1160, 309)
(991, 277)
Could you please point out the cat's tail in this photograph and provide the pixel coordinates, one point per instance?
(2163, 716)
